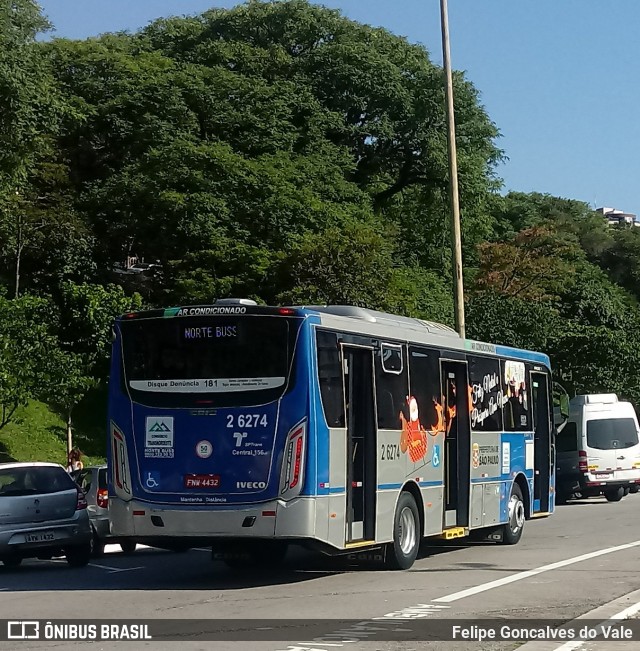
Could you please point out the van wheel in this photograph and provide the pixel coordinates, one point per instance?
(614, 494)
(97, 546)
(402, 552)
(512, 531)
(78, 556)
(128, 546)
(634, 488)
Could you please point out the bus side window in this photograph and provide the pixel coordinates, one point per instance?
(392, 385)
(485, 392)
(330, 377)
(424, 374)
(516, 411)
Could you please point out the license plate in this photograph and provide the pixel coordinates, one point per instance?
(40, 537)
(603, 475)
(202, 481)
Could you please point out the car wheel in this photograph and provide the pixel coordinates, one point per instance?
(128, 546)
(614, 494)
(12, 561)
(79, 555)
(512, 531)
(403, 551)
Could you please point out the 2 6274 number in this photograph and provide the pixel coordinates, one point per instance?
(389, 452)
(247, 420)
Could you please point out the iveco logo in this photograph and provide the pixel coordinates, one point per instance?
(251, 484)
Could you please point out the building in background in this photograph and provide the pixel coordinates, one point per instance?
(617, 217)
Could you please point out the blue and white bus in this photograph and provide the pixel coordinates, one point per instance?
(247, 427)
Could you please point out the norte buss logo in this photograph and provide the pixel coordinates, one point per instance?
(159, 427)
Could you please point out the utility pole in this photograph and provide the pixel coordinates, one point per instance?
(456, 242)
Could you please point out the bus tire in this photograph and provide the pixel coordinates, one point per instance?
(614, 494)
(634, 488)
(512, 531)
(402, 552)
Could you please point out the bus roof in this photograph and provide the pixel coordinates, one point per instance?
(359, 316)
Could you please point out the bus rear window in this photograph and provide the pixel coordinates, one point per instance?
(218, 361)
(612, 433)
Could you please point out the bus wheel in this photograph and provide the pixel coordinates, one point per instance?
(512, 531)
(614, 494)
(402, 552)
(634, 488)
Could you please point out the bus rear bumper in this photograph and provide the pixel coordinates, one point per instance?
(274, 519)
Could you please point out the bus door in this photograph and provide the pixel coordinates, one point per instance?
(541, 441)
(457, 443)
(361, 443)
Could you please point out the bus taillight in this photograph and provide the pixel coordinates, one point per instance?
(293, 466)
(296, 464)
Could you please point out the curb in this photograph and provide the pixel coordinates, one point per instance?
(601, 614)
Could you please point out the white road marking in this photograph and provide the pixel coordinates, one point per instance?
(623, 614)
(112, 548)
(365, 628)
(483, 587)
(113, 570)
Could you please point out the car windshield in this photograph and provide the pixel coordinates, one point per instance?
(612, 433)
(33, 480)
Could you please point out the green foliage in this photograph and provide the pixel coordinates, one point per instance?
(281, 152)
(87, 313)
(29, 99)
(26, 345)
(37, 433)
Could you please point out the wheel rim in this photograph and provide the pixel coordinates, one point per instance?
(407, 531)
(516, 514)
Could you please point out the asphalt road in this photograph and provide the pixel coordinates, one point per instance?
(544, 577)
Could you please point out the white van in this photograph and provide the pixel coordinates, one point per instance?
(598, 449)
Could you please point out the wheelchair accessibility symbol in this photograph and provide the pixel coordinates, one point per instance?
(151, 481)
(435, 457)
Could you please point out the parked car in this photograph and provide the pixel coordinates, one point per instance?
(93, 481)
(43, 514)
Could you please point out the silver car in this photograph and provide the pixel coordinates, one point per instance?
(43, 513)
(93, 481)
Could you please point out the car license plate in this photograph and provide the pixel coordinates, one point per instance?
(43, 536)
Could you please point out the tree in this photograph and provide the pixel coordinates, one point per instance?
(242, 129)
(29, 102)
(26, 345)
(532, 266)
(87, 314)
(70, 379)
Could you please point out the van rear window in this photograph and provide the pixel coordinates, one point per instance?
(612, 433)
